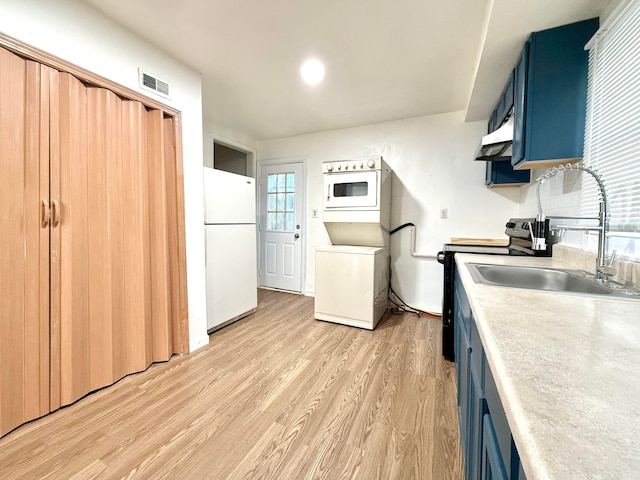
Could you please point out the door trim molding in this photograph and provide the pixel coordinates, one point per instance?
(304, 160)
(179, 325)
(32, 53)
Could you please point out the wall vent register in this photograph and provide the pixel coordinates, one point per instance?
(151, 82)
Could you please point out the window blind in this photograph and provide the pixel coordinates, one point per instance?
(612, 134)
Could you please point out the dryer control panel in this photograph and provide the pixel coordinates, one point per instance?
(356, 165)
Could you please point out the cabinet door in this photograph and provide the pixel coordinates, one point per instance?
(464, 360)
(519, 105)
(24, 256)
(477, 409)
(505, 104)
(550, 96)
(492, 463)
(502, 174)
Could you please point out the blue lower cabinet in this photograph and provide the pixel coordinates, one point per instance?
(521, 475)
(463, 390)
(488, 449)
(477, 410)
(492, 463)
(498, 418)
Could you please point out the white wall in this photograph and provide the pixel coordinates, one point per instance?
(433, 169)
(77, 33)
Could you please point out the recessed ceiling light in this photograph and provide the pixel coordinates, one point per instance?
(312, 71)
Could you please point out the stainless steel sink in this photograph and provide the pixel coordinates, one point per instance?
(555, 280)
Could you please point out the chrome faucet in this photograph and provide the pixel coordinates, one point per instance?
(604, 268)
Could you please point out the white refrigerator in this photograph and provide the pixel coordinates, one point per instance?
(230, 239)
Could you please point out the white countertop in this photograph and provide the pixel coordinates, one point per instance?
(567, 368)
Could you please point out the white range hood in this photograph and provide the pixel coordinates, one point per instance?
(497, 145)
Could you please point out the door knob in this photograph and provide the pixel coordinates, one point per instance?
(296, 236)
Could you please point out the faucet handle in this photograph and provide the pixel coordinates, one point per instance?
(537, 243)
(607, 271)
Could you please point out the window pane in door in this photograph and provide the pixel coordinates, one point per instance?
(272, 183)
(290, 219)
(290, 205)
(272, 220)
(281, 202)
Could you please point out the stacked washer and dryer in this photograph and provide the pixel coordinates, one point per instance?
(352, 274)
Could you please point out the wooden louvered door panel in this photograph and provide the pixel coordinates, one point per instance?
(159, 241)
(137, 261)
(173, 192)
(105, 236)
(24, 250)
(92, 263)
(73, 329)
(115, 290)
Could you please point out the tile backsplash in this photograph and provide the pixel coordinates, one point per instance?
(628, 272)
(561, 195)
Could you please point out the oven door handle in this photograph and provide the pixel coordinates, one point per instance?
(328, 192)
(440, 257)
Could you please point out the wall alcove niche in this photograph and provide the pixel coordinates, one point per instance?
(93, 264)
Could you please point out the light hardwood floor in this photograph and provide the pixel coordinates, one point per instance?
(277, 395)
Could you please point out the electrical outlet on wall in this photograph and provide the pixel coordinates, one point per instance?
(314, 213)
(444, 213)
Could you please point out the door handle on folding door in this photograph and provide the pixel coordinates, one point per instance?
(44, 213)
(55, 213)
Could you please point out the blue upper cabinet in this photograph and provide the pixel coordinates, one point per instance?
(505, 103)
(501, 173)
(550, 96)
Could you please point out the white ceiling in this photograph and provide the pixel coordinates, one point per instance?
(385, 59)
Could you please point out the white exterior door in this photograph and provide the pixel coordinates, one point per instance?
(281, 228)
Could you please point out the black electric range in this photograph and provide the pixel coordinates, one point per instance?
(519, 233)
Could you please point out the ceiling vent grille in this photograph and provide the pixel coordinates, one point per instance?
(151, 82)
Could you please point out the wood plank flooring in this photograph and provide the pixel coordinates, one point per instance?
(277, 395)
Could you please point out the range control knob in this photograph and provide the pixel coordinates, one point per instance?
(353, 166)
(371, 163)
(361, 165)
(510, 224)
(339, 167)
(330, 167)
